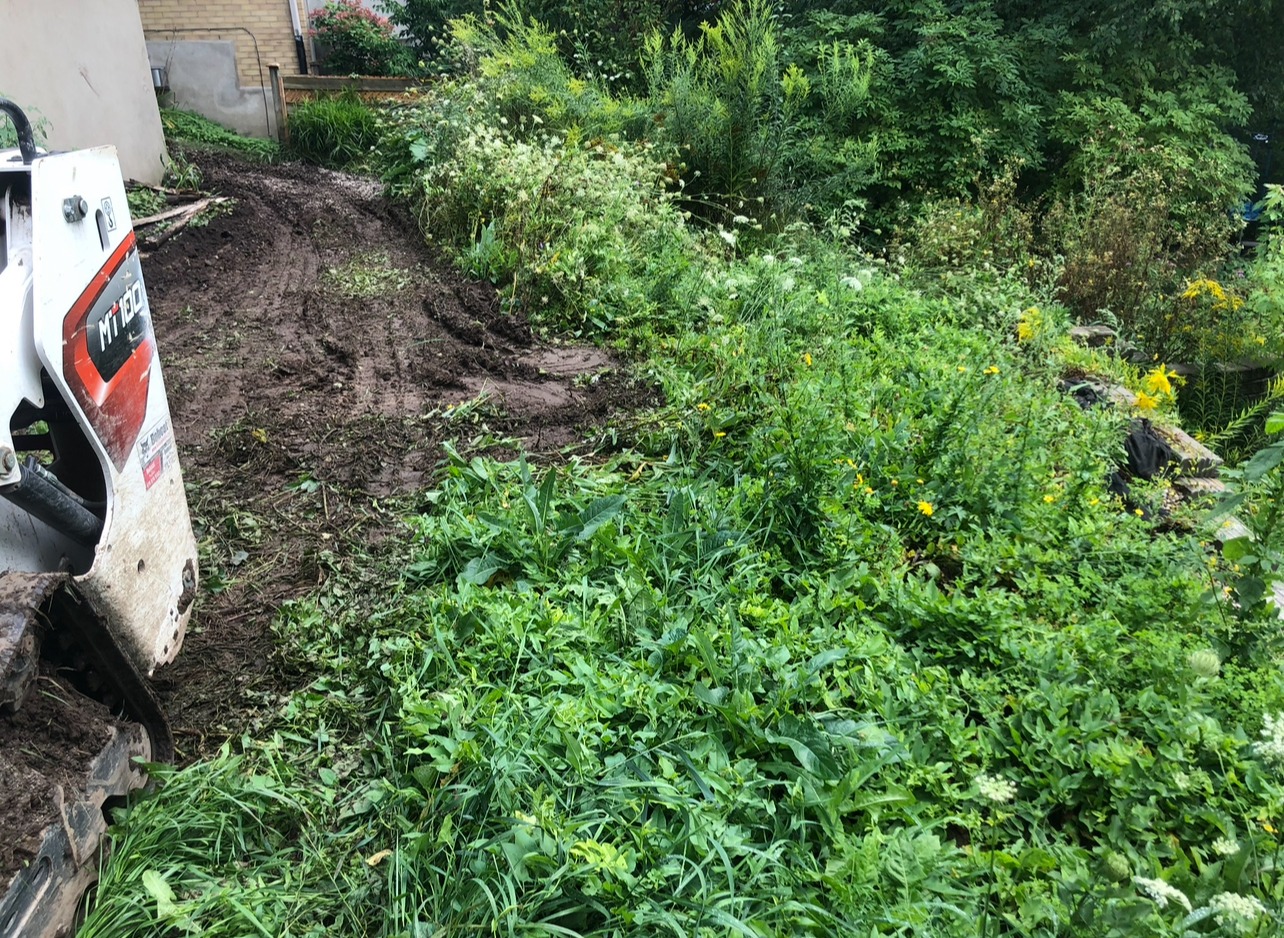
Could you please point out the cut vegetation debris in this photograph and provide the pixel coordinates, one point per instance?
(192, 208)
(853, 627)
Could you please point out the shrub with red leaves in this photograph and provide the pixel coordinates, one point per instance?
(358, 41)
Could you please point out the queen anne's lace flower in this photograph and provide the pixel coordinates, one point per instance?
(1225, 847)
(996, 789)
(1238, 912)
(1271, 748)
(1161, 892)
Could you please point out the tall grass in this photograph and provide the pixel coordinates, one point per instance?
(336, 131)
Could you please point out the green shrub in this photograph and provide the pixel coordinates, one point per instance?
(358, 41)
(333, 131)
(599, 39)
(525, 81)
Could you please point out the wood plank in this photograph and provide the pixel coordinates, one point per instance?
(170, 213)
(343, 83)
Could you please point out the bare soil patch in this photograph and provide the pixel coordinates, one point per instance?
(312, 345)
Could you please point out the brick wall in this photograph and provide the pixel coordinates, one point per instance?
(270, 37)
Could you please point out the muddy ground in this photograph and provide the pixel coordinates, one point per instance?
(315, 352)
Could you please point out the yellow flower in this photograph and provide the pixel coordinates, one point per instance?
(1030, 324)
(896, 482)
(926, 508)
(702, 406)
(807, 358)
(962, 369)
(719, 434)
(1159, 381)
(1140, 513)
(1211, 288)
(1049, 499)
(1145, 401)
(992, 370)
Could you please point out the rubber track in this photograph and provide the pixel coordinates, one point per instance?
(68, 610)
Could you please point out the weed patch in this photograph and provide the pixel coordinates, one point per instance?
(185, 127)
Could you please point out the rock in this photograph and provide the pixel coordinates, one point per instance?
(1093, 336)
(1232, 529)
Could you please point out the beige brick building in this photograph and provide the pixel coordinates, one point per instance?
(216, 54)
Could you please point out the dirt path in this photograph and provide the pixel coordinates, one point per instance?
(312, 345)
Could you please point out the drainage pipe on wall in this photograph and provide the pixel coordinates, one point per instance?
(299, 49)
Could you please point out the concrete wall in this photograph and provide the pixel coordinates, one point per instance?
(82, 67)
(203, 78)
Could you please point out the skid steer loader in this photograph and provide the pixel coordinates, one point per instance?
(97, 556)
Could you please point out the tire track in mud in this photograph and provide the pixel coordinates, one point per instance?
(276, 373)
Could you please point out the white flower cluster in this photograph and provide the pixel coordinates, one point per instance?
(1161, 892)
(994, 788)
(1225, 847)
(1271, 748)
(1239, 912)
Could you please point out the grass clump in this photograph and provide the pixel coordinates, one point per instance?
(367, 275)
(337, 131)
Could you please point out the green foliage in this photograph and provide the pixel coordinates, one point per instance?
(526, 78)
(358, 41)
(337, 131)
(221, 814)
(144, 201)
(577, 232)
(599, 40)
(1265, 272)
(729, 106)
(1144, 220)
(424, 21)
(187, 128)
(847, 635)
(1255, 556)
(181, 172)
(39, 126)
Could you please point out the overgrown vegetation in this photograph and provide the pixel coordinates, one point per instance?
(186, 128)
(852, 635)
